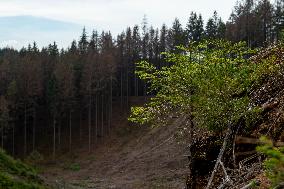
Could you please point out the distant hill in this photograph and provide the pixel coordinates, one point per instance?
(18, 31)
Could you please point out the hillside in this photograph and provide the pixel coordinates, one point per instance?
(126, 155)
(130, 157)
(17, 175)
(143, 157)
(135, 156)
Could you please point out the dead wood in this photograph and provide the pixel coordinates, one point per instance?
(247, 140)
(221, 153)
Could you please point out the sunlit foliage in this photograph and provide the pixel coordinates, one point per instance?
(211, 80)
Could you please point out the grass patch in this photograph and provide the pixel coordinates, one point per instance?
(16, 175)
(75, 167)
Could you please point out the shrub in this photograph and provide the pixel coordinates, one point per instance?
(211, 81)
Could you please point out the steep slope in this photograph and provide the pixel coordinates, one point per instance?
(15, 174)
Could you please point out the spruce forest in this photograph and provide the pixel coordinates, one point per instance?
(189, 106)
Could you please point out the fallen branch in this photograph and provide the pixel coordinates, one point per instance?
(243, 162)
(221, 153)
(251, 184)
(227, 178)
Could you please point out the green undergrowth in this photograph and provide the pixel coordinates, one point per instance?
(16, 175)
(274, 164)
(75, 167)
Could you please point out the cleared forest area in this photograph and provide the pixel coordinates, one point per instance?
(194, 106)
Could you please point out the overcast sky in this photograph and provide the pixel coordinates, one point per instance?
(113, 15)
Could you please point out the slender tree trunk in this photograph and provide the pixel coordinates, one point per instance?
(90, 121)
(110, 107)
(96, 118)
(59, 133)
(2, 137)
(13, 139)
(127, 89)
(80, 127)
(107, 115)
(135, 82)
(144, 90)
(70, 130)
(54, 136)
(34, 128)
(190, 182)
(121, 89)
(25, 131)
(102, 122)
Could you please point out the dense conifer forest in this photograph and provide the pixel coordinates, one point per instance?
(48, 95)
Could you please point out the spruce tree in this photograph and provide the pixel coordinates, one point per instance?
(176, 36)
(94, 42)
(212, 26)
(83, 42)
(163, 39)
(194, 27)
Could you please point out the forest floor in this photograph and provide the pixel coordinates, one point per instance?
(130, 157)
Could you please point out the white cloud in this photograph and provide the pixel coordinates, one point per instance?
(115, 14)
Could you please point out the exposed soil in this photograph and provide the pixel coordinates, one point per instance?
(129, 157)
